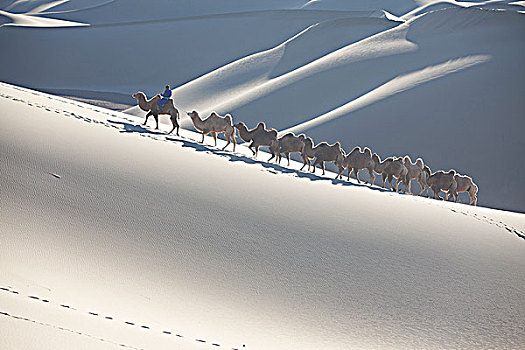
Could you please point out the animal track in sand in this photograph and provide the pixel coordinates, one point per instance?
(491, 221)
(94, 314)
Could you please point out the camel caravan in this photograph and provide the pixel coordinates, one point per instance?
(402, 169)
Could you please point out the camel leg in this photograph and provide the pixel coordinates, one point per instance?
(214, 134)
(340, 170)
(322, 166)
(304, 162)
(147, 116)
(233, 140)
(409, 186)
(227, 139)
(273, 155)
(389, 178)
(315, 164)
(420, 185)
(356, 174)
(174, 124)
(398, 183)
(256, 151)
(156, 116)
(202, 141)
(251, 149)
(371, 176)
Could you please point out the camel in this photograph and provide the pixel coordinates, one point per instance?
(307, 152)
(324, 152)
(425, 174)
(259, 136)
(215, 124)
(151, 106)
(415, 171)
(390, 168)
(287, 144)
(245, 134)
(443, 181)
(465, 184)
(357, 160)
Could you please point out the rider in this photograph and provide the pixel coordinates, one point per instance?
(165, 97)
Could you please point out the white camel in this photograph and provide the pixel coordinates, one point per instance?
(465, 184)
(214, 124)
(324, 152)
(443, 181)
(390, 168)
(307, 152)
(289, 143)
(259, 136)
(357, 160)
(414, 171)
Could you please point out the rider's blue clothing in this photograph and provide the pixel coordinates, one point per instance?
(166, 93)
(165, 98)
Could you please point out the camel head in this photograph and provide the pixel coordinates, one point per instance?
(193, 114)
(308, 141)
(376, 159)
(139, 95)
(240, 125)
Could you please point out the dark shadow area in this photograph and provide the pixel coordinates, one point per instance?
(272, 167)
(133, 128)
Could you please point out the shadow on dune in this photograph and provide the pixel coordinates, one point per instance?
(132, 128)
(271, 167)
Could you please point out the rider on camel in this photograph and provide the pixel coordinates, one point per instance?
(165, 98)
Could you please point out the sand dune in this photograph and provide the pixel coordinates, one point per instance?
(116, 235)
(271, 258)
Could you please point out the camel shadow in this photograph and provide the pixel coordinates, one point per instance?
(272, 168)
(134, 128)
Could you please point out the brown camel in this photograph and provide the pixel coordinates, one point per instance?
(151, 106)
